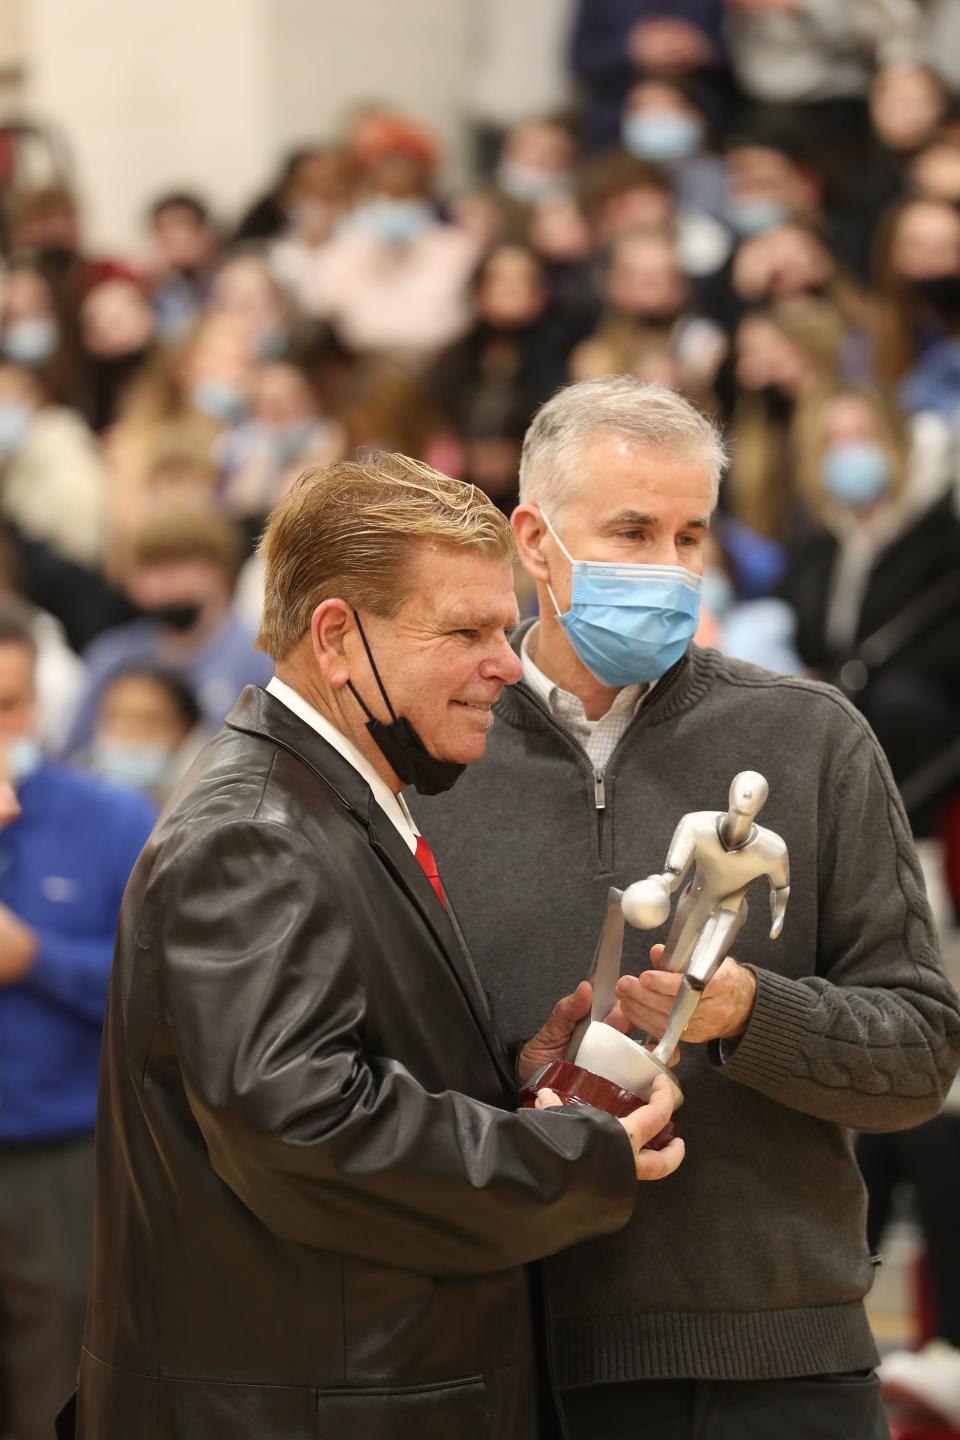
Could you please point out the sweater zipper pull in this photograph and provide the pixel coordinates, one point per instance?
(599, 794)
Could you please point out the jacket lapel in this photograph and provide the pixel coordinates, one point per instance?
(258, 713)
(405, 869)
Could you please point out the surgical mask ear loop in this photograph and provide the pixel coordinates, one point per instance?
(376, 676)
(546, 521)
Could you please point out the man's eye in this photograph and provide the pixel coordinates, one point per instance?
(689, 541)
(467, 634)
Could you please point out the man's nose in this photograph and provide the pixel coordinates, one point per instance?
(504, 666)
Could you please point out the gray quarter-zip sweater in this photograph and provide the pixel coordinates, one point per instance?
(751, 1261)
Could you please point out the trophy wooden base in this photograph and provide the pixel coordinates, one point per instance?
(577, 1086)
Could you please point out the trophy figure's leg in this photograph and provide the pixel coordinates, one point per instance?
(709, 954)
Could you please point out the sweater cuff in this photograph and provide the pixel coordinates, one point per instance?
(770, 1048)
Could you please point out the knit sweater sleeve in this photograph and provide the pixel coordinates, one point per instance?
(871, 1037)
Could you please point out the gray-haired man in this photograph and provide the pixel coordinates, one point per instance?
(733, 1302)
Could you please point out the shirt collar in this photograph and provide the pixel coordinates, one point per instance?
(553, 697)
(393, 806)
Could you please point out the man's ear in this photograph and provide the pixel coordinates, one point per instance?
(530, 530)
(330, 625)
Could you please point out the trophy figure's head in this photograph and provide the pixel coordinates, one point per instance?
(748, 794)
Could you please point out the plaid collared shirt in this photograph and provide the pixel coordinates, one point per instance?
(598, 737)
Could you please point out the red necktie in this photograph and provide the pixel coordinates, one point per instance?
(429, 867)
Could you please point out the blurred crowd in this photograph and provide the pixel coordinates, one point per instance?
(756, 202)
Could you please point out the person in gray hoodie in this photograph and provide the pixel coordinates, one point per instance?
(732, 1304)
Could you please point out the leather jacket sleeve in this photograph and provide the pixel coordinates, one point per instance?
(327, 1144)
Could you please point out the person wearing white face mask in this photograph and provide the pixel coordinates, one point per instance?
(753, 1272)
(67, 845)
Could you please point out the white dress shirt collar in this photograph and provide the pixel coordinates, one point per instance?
(393, 806)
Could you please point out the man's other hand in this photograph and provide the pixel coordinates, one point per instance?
(551, 1040)
(725, 1005)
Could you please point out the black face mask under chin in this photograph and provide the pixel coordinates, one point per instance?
(400, 744)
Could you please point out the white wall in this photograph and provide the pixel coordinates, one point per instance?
(209, 93)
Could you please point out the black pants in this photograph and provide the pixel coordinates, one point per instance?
(928, 1158)
(820, 1407)
(46, 1194)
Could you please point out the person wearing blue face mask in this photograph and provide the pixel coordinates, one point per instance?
(873, 586)
(148, 730)
(67, 845)
(755, 1271)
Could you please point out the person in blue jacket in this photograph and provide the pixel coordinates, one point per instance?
(67, 845)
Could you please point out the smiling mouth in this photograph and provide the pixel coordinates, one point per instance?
(482, 706)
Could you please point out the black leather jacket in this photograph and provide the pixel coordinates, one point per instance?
(314, 1200)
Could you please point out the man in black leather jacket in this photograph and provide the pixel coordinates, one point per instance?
(315, 1198)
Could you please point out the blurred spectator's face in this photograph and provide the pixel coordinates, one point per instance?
(167, 583)
(18, 389)
(645, 279)
(639, 207)
(116, 318)
(282, 396)
(847, 420)
(183, 240)
(935, 173)
(244, 291)
(660, 124)
(400, 177)
(540, 145)
(29, 332)
(766, 188)
(318, 177)
(17, 696)
(906, 103)
(480, 215)
(138, 711)
(511, 293)
(668, 45)
(56, 227)
(559, 230)
(766, 357)
(26, 296)
(926, 242)
(780, 264)
(220, 362)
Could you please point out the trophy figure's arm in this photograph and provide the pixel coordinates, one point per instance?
(680, 855)
(778, 908)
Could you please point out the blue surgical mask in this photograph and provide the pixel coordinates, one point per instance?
(30, 341)
(628, 623)
(753, 217)
(529, 185)
(138, 767)
(395, 222)
(856, 473)
(220, 399)
(663, 136)
(15, 421)
(24, 758)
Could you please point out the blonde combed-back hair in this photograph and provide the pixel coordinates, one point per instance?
(349, 531)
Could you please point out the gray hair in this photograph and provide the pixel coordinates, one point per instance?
(650, 415)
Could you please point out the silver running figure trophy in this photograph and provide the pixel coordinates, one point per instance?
(727, 850)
